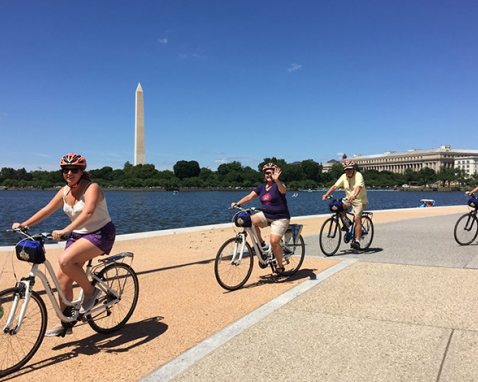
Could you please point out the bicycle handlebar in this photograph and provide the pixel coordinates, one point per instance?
(332, 197)
(44, 235)
(242, 209)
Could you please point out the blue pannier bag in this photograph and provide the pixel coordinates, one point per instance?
(336, 205)
(473, 202)
(30, 250)
(242, 219)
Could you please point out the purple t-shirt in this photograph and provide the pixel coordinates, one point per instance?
(273, 202)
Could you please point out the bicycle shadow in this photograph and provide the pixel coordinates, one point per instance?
(351, 251)
(144, 331)
(304, 273)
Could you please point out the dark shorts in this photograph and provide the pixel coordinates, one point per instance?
(104, 238)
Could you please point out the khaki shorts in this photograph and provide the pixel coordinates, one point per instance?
(357, 207)
(278, 227)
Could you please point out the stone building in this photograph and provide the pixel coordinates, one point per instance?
(414, 159)
(467, 164)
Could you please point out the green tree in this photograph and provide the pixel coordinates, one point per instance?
(186, 169)
(446, 175)
(410, 176)
(226, 168)
(312, 170)
(426, 176)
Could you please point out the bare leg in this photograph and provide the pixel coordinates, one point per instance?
(71, 267)
(257, 222)
(277, 249)
(358, 228)
(66, 286)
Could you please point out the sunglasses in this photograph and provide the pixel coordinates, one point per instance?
(268, 173)
(73, 170)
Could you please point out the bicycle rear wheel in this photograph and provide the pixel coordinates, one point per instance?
(466, 229)
(231, 267)
(18, 348)
(367, 232)
(122, 279)
(293, 254)
(330, 236)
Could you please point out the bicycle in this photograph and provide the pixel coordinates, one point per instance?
(235, 258)
(23, 314)
(466, 227)
(331, 231)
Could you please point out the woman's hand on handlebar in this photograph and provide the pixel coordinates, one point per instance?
(59, 234)
(234, 205)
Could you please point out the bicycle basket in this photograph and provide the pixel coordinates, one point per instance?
(30, 250)
(336, 206)
(242, 219)
(473, 202)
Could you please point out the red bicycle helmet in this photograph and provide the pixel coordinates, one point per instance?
(73, 159)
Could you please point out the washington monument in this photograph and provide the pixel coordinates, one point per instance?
(139, 155)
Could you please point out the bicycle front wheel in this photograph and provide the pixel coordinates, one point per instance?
(122, 279)
(466, 229)
(293, 254)
(367, 232)
(233, 264)
(17, 348)
(330, 236)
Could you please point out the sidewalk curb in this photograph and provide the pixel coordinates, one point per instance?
(202, 349)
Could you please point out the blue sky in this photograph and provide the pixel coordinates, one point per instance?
(234, 80)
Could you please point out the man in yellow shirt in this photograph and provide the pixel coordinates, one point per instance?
(353, 184)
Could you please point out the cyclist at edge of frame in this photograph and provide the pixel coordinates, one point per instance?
(276, 212)
(474, 191)
(91, 232)
(356, 196)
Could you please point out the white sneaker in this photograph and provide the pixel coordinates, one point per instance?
(59, 331)
(90, 302)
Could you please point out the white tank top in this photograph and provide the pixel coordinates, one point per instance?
(100, 217)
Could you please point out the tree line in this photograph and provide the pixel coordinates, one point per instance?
(306, 174)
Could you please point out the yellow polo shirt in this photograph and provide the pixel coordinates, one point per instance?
(349, 184)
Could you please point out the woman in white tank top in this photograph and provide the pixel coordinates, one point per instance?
(91, 231)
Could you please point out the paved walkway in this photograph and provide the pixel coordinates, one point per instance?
(405, 311)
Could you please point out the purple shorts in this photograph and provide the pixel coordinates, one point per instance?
(103, 238)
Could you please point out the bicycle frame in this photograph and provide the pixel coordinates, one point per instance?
(350, 230)
(471, 215)
(248, 231)
(25, 285)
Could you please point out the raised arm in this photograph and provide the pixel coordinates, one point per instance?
(275, 177)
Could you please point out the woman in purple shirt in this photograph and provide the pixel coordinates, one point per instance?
(276, 213)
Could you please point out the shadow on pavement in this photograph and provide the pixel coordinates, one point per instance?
(131, 335)
(351, 251)
(273, 279)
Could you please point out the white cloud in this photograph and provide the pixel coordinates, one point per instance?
(163, 40)
(294, 67)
